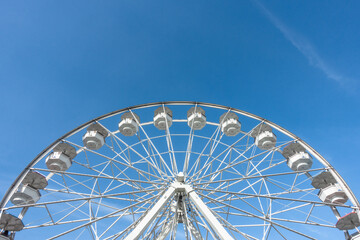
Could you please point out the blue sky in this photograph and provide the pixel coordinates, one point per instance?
(295, 63)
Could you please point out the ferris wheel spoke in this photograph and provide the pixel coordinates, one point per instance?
(120, 163)
(296, 208)
(152, 145)
(150, 156)
(111, 225)
(194, 223)
(256, 176)
(129, 228)
(100, 180)
(272, 196)
(87, 195)
(233, 228)
(127, 159)
(231, 165)
(198, 159)
(188, 151)
(103, 217)
(215, 143)
(189, 226)
(170, 146)
(156, 224)
(265, 179)
(124, 181)
(151, 164)
(162, 227)
(214, 176)
(278, 232)
(207, 164)
(76, 209)
(209, 230)
(166, 226)
(192, 231)
(260, 217)
(128, 147)
(229, 148)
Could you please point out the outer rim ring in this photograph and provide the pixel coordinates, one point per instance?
(313, 152)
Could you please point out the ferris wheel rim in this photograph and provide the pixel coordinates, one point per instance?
(14, 185)
(319, 157)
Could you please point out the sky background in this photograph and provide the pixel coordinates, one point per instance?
(295, 63)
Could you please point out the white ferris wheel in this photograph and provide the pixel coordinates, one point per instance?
(179, 170)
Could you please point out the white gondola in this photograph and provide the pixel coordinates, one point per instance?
(230, 124)
(58, 161)
(94, 137)
(128, 125)
(25, 195)
(28, 192)
(323, 180)
(330, 191)
(333, 194)
(61, 158)
(196, 118)
(297, 157)
(162, 118)
(35, 180)
(349, 221)
(9, 222)
(265, 139)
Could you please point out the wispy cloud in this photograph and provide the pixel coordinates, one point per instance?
(303, 45)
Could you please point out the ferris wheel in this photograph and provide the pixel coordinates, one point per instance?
(179, 170)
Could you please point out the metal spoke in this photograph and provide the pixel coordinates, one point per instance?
(231, 184)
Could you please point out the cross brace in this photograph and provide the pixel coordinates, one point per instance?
(150, 216)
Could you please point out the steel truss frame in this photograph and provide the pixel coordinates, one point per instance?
(204, 187)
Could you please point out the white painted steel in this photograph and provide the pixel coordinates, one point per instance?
(151, 215)
(163, 167)
(207, 214)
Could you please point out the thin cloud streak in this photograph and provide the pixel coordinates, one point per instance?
(303, 45)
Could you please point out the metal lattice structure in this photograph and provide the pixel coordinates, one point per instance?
(179, 170)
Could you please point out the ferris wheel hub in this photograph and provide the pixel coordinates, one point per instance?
(180, 177)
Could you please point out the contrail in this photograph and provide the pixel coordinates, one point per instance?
(303, 45)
